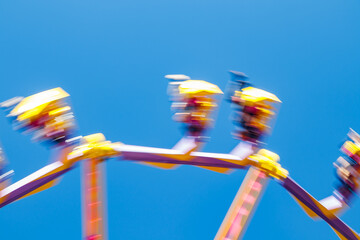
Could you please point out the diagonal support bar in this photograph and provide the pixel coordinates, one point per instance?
(340, 228)
(243, 207)
(38, 181)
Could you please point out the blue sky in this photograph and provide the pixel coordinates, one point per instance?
(111, 57)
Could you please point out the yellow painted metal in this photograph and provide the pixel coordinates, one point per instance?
(160, 165)
(257, 95)
(34, 104)
(218, 169)
(351, 147)
(267, 161)
(94, 146)
(198, 87)
(59, 111)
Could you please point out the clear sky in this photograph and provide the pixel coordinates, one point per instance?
(111, 57)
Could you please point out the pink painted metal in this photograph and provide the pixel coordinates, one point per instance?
(243, 206)
(93, 204)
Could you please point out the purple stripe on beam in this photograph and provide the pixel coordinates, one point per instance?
(305, 198)
(197, 161)
(22, 191)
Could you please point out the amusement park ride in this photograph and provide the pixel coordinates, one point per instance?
(49, 118)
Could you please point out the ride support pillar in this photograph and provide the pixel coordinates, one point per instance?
(93, 200)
